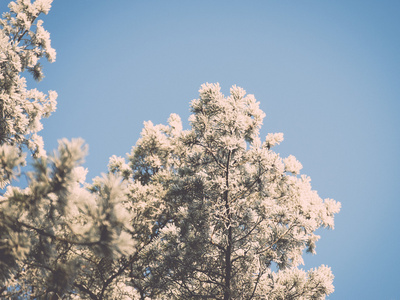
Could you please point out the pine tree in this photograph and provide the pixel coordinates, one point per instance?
(49, 229)
(237, 210)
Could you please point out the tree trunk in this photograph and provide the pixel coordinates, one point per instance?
(228, 263)
(228, 266)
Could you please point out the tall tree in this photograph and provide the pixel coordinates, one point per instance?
(242, 215)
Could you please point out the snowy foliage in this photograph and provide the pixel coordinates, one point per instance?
(23, 42)
(208, 212)
(235, 210)
(49, 229)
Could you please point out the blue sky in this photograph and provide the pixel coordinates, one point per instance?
(326, 74)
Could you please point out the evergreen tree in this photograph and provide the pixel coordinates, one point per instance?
(237, 210)
(50, 228)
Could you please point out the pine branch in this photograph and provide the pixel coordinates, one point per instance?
(278, 239)
(86, 290)
(54, 237)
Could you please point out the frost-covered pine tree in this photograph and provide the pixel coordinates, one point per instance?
(53, 227)
(237, 216)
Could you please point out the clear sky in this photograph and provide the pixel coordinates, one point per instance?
(326, 73)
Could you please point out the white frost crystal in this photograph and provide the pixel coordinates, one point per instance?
(292, 165)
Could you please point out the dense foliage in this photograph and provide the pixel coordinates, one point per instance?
(210, 212)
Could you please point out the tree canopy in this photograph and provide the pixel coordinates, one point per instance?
(208, 212)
